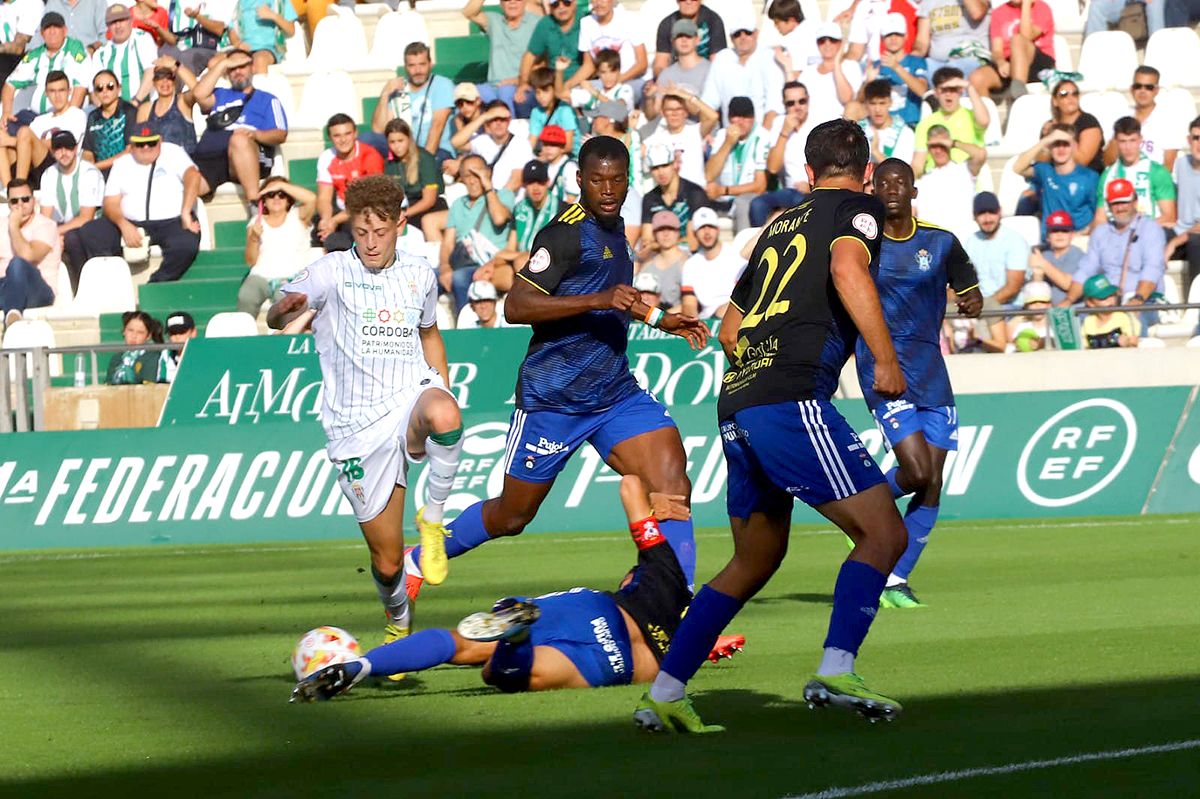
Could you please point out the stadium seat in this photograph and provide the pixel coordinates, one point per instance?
(461, 58)
(1151, 343)
(395, 31)
(1193, 343)
(1063, 61)
(1182, 324)
(985, 181)
(651, 13)
(372, 9)
(1024, 126)
(1107, 61)
(219, 293)
(1180, 106)
(105, 286)
(295, 49)
(1175, 53)
(1030, 228)
(277, 84)
(339, 42)
(1106, 107)
(325, 94)
(1011, 186)
(1068, 18)
(31, 333)
(231, 324)
(302, 172)
(231, 233)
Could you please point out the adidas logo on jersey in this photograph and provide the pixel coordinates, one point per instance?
(607, 253)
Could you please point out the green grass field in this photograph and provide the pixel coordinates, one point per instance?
(165, 672)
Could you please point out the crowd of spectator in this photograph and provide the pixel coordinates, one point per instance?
(99, 119)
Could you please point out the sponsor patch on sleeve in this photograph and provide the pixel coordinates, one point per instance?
(865, 224)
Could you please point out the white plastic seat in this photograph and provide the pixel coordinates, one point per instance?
(393, 32)
(1062, 53)
(1068, 18)
(650, 14)
(105, 286)
(325, 94)
(1107, 60)
(1184, 324)
(372, 9)
(1010, 188)
(231, 324)
(1024, 128)
(277, 84)
(295, 49)
(31, 333)
(1151, 343)
(985, 181)
(1175, 53)
(1030, 227)
(1193, 343)
(1106, 107)
(339, 42)
(1180, 107)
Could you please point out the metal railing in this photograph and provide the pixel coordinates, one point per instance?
(22, 410)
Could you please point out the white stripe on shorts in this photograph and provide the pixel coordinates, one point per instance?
(839, 464)
(514, 437)
(807, 417)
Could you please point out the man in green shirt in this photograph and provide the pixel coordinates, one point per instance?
(1151, 180)
(508, 38)
(555, 36)
(964, 124)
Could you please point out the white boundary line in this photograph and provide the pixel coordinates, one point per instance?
(990, 771)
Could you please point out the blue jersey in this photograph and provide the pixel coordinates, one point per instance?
(912, 279)
(577, 364)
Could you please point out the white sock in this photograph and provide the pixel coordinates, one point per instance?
(443, 466)
(666, 688)
(893, 580)
(835, 661)
(395, 600)
(411, 566)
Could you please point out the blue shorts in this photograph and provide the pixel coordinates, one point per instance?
(792, 449)
(541, 442)
(899, 419)
(587, 627)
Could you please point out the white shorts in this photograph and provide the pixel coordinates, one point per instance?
(372, 462)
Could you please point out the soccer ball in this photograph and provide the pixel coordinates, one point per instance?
(323, 647)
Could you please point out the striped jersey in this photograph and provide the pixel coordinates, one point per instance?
(128, 60)
(37, 63)
(577, 364)
(367, 332)
(913, 274)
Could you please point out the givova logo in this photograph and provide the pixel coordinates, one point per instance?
(1077, 452)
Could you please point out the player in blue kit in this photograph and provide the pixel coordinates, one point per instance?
(793, 320)
(916, 263)
(575, 384)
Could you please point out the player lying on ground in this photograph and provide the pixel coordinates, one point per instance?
(793, 319)
(916, 262)
(579, 638)
(384, 383)
(574, 384)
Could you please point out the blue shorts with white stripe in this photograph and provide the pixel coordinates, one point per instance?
(899, 419)
(804, 450)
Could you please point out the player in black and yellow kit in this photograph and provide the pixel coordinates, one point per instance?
(793, 321)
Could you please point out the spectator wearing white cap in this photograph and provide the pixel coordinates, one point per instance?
(744, 70)
(670, 193)
(687, 73)
(737, 167)
(467, 106)
(681, 136)
(710, 275)
(484, 308)
(833, 82)
(907, 74)
(953, 33)
(72, 190)
(646, 285)
(1030, 332)
(704, 24)
(866, 29)
(664, 258)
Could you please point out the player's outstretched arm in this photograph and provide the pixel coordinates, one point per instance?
(528, 304)
(849, 267)
(682, 325)
(286, 309)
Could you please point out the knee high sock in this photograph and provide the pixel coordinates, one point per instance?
(466, 533)
(855, 603)
(681, 536)
(897, 491)
(919, 521)
(422, 650)
(706, 617)
(391, 593)
(444, 451)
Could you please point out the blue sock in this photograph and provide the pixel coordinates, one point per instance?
(681, 536)
(466, 533)
(855, 603)
(897, 491)
(422, 650)
(706, 617)
(919, 521)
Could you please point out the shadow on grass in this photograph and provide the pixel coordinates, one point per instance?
(481, 744)
(816, 599)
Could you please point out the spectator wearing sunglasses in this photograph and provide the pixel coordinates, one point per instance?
(1161, 135)
(1089, 136)
(709, 27)
(745, 70)
(133, 202)
(110, 123)
(277, 240)
(833, 82)
(964, 124)
(786, 157)
(30, 254)
(170, 112)
(1185, 236)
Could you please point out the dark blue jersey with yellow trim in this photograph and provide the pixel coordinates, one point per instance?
(913, 274)
(577, 364)
(795, 335)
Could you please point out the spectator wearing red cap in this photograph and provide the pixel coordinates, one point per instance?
(563, 169)
(1057, 260)
(1128, 250)
(1151, 180)
(1060, 183)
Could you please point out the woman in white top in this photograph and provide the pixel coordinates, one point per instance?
(278, 240)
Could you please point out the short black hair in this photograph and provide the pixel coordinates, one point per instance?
(782, 10)
(794, 84)
(1146, 69)
(609, 58)
(17, 183)
(497, 103)
(897, 165)
(417, 48)
(542, 78)
(946, 73)
(108, 72)
(603, 148)
(338, 119)
(1194, 124)
(56, 75)
(878, 89)
(1126, 126)
(838, 147)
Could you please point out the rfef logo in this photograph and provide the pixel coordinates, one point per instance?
(1077, 452)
